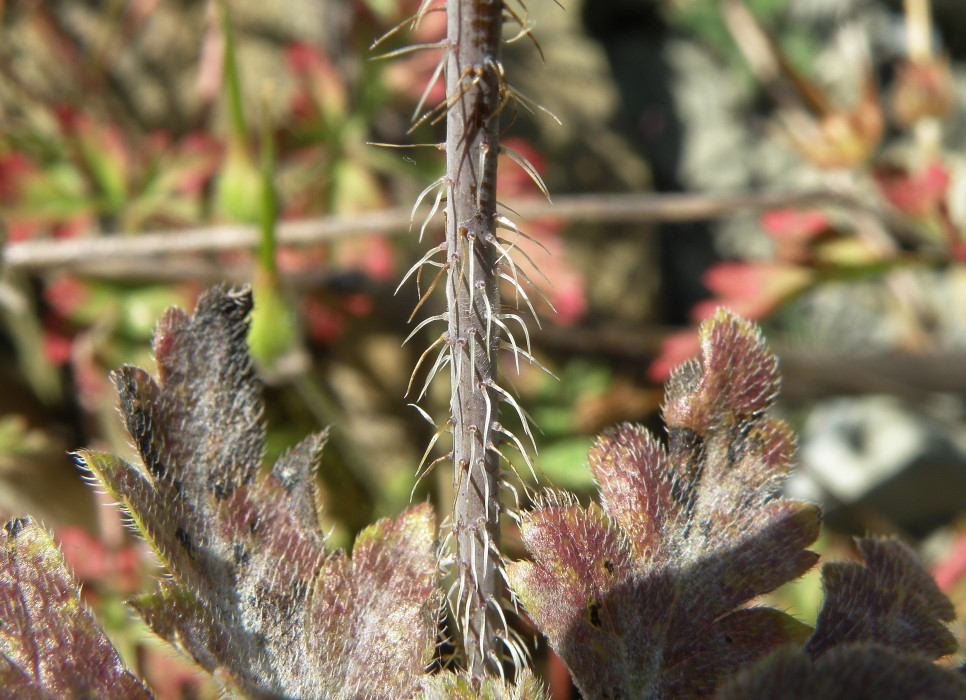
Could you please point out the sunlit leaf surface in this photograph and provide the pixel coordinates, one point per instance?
(255, 597)
(641, 596)
(50, 644)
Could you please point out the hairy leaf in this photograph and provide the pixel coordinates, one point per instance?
(50, 644)
(892, 601)
(640, 596)
(847, 672)
(460, 686)
(877, 635)
(255, 597)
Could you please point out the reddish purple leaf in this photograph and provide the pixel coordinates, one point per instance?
(641, 599)
(256, 599)
(892, 601)
(877, 635)
(847, 672)
(50, 644)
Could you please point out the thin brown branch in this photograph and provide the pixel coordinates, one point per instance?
(76, 253)
(208, 272)
(806, 376)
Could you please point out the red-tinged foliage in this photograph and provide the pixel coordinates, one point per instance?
(91, 560)
(900, 171)
(892, 601)
(51, 646)
(255, 598)
(751, 290)
(357, 304)
(795, 232)
(918, 193)
(410, 75)
(878, 632)
(191, 163)
(64, 294)
(923, 88)
(57, 345)
(848, 672)
(676, 349)
(372, 255)
(829, 135)
(323, 324)
(641, 597)
(952, 568)
(569, 294)
(644, 595)
(737, 379)
(794, 224)
(304, 60)
(96, 169)
(322, 91)
(557, 279)
(14, 167)
(31, 203)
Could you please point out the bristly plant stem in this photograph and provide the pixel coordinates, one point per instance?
(473, 87)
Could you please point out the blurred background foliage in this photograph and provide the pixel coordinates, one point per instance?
(142, 119)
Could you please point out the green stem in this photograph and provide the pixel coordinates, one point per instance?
(236, 109)
(269, 209)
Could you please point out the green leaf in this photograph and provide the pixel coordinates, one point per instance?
(238, 191)
(274, 331)
(563, 463)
